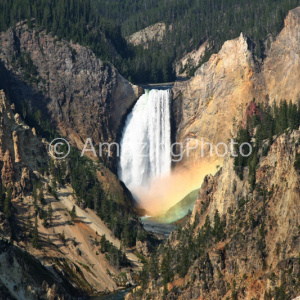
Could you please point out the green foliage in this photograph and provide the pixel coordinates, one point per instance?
(7, 208)
(88, 190)
(243, 136)
(29, 226)
(154, 268)
(297, 162)
(141, 257)
(33, 118)
(280, 293)
(2, 197)
(144, 276)
(219, 227)
(261, 244)
(30, 70)
(71, 19)
(50, 215)
(193, 22)
(62, 237)
(165, 267)
(234, 292)
(207, 228)
(41, 197)
(35, 235)
(103, 24)
(73, 213)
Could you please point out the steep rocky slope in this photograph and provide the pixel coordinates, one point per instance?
(24, 277)
(251, 251)
(213, 102)
(66, 249)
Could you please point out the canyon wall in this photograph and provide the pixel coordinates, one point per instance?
(212, 103)
(81, 95)
(68, 259)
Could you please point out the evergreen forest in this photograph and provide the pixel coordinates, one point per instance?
(104, 25)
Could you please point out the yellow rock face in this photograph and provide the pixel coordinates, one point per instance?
(211, 105)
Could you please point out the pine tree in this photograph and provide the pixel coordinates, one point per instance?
(207, 228)
(73, 213)
(41, 197)
(218, 230)
(103, 244)
(50, 215)
(62, 238)
(29, 226)
(154, 265)
(8, 208)
(165, 268)
(35, 235)
(2, 197)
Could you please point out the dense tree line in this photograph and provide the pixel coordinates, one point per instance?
(94, 22)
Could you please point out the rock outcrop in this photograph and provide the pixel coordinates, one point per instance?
(212, 103)
(66, 87)
(190, 60)
(205, 106)
(145, 36)
(275, 203)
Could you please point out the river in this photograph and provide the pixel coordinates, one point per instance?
(118, 295)
(163, 229)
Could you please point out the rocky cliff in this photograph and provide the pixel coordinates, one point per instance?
(151, 33)
(81, 95)
(65, 87)
(190, 60)
(21, 151)
(212, 103)
(250, 248)
(24, 277)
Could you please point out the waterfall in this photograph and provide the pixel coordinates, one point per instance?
(146, 141)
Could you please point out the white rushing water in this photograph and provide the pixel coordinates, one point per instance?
(146, 141)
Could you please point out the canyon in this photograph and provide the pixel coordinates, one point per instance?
(46, 78)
